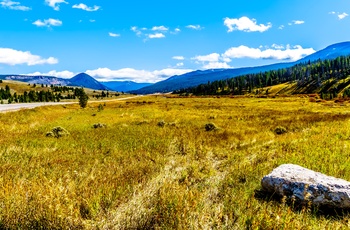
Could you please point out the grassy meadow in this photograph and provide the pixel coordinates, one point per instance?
(153, 165)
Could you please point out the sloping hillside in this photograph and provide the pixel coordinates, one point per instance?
(330, 78)
(202, 77)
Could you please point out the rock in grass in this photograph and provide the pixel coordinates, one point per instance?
(57, 132)
(305, 185)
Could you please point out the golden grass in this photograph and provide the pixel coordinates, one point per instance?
(134, 173)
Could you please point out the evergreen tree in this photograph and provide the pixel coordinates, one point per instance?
(83, 98)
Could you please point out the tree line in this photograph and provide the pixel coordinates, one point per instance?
(53, 95)
(314, 74)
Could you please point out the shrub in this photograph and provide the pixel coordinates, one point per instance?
(210, 126)
(99, 125)
(100, 107)
(161, 123)
(280, 130)
(57, 132)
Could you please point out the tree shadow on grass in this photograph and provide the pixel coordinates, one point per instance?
(297, 206)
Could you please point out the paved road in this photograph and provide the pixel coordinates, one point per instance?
(18, 106)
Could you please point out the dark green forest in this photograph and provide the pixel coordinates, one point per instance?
(54, 94)
(322, 76)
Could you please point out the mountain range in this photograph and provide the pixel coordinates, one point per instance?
(200, 77)
(178, 81)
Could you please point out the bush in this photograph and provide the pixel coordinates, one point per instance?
(161, 123)
(57, 132)
(210, 127)
(99, 125)
(280, 130)
(100, 107)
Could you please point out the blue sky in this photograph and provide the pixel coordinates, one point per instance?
(149, 41)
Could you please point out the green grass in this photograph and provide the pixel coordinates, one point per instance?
(135, 173)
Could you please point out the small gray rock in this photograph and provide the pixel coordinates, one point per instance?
(305, 185)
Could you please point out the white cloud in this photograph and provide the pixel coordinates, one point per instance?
(217, 65)
(48, 22)
(92, 20)
(342, 16)
(281, 27)
(14, 5)
(106, 74)
(180, 58)
(136, 30)
(195, 27)
(160, 28)
(55, 3)
(212, 61)
(16, 57)
(113, 35)
(289, 53)
(298, 22)
(54, 73)
(82, 6)
(245, 24)
(214, 57)
(180, 64)
(277, 47)
(176, 31)
(156, 35)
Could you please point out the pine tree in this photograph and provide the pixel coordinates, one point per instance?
(83, 99)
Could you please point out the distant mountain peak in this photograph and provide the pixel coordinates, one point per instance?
(85, 80)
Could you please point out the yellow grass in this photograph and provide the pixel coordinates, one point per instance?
(135, 173)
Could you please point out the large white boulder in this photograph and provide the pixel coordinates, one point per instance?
(305, 185)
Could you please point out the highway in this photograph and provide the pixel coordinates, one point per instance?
(19, 106)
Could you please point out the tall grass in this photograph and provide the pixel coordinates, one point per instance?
(134, 173)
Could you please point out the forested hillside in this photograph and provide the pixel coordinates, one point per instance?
(326, 77)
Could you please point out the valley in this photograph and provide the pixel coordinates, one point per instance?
(151, 163)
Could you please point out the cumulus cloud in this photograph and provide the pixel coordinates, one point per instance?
(153, 32)
(180, 64)
(55, 4)
(48, 22)
(245, 24)
(16, 57)
(298, 22)
(214, 57)
(278, 53)
(212, 61)
(129, 74)
(114, 35)
(176, 31)
(281, 27)
(340, 15)
(82, 6)
(180, 58)
(156, 35)
(160, 28)
(54, 73)
(8, 4)
(216, 65)
(137, 31)
(195, 27)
